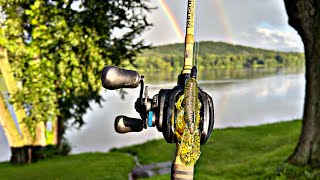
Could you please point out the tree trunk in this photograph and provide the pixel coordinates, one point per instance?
(23, 152)
(304, 16)
(14, 138)
(19, 155)
(10, 130)
(55, 133)
(40, 135)
(12, 88)
(60, 132)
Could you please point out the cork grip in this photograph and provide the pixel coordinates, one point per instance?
(179, 171)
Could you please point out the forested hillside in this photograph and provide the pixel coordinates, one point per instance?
(215, 55)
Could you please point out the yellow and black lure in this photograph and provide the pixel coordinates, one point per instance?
(187, 123)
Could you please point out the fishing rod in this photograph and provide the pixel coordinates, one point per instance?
(184, 114)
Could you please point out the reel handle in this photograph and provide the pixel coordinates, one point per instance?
(113, 77)
(124, 124)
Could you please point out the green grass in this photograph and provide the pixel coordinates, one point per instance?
(84, 166)
(233, 153)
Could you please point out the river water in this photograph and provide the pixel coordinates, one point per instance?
(242, 97)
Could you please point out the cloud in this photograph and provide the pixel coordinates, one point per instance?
(283, 39)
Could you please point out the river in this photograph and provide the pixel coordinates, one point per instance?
(242, 97)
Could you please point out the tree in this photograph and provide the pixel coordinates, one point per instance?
(304, 16)
(24, 147)
(9, 127)
(57, 52)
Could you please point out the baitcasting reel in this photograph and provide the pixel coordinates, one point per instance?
(160, 110)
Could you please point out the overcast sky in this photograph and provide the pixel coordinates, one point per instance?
(258, 23)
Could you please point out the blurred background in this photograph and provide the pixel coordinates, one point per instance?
(246, 96)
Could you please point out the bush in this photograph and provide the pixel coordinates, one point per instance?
(65, 148)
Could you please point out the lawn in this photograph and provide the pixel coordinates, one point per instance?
(232, 153)
(84, 166)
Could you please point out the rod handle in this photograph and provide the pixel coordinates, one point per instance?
(180, 171)
(113, 77)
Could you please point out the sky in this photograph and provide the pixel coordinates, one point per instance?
(257, 23)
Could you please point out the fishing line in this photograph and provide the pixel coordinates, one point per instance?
(196, 59)
(197, 43)
(195, 40)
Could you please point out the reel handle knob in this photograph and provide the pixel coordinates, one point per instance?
(124, 124)
(113, 77)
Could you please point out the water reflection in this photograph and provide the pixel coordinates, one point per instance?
(223, 74)
(258, 101)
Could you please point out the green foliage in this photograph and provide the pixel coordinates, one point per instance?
(51, 151)
(48, 152)
(58, 52)
(216, 55)
(65, 148)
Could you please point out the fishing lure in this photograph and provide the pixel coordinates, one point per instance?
(187, 123)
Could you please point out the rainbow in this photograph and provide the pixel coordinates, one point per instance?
(223, 19)
(219, 8)
(164, 6)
